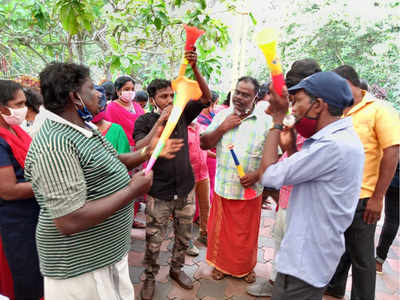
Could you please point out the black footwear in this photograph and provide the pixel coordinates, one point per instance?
(148, 289)
(182, 279)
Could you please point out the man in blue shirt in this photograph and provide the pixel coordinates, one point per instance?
(326, 174)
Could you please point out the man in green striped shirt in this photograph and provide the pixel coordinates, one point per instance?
(84, 192)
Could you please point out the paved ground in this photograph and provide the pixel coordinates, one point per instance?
(205, 288)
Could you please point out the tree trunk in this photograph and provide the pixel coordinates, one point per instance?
(80, 48)
(70, 58)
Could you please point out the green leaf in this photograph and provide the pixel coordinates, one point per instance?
(203, 4)
(115, 63)
(87, 25)
(157, 23)
(253, 19)
(178, 3)
(164, 17)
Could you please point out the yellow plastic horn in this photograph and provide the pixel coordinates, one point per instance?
(185, 90)
(267, 40)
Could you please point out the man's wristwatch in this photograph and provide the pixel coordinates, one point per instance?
(278, 126)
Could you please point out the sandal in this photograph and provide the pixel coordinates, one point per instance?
(250, 278)
(217, 275)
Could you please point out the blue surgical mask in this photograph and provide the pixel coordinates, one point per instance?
(84, 113)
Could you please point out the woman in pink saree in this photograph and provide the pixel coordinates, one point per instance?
(123, 110)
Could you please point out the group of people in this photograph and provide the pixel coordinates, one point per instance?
(72, 178)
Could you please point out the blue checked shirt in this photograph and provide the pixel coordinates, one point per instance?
(248, 140)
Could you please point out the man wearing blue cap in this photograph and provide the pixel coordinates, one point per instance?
(326, 174)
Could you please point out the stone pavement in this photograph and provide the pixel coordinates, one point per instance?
(205, 288)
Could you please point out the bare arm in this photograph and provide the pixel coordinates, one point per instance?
(277, 109)
(191, 57)
(210, 139)
(211, 154)
(146, 140)
(157, 128)
(171, 146)
(288, 141)
(95, 212)
(387, 168)
(134, 159)
(10, 189)
(270, 153)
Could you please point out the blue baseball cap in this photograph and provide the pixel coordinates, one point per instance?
(328, 86)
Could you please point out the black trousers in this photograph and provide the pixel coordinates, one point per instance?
(288, 287)
(20, 250)
(390, 225)
(359, 254)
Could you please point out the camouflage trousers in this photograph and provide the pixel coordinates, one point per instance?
(158, 214)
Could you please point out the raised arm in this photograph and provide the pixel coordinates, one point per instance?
(191, 57)
(277, 110)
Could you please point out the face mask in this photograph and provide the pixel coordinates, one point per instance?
(84, 113)
(156, 109)
(127, 96)
(306, 126)
(100, 116)
(16, 117)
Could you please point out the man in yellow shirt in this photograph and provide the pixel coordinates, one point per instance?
(378, 127)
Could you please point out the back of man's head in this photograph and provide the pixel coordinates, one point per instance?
(301, 69)
(141, 96)
(348, 73)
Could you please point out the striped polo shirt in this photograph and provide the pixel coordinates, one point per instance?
(68, 166)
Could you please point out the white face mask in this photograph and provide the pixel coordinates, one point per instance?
(127, 96)
(16, 117)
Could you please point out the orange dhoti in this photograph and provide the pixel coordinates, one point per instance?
(233, 228)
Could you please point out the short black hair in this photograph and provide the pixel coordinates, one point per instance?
(348, 73)
(252, 80)
(263, 90)
(157, 84)
(364, 84)
(109, 89)
(301, 69)
(8, 89)
(214, 96)
(141, 96)
(332, 109)
(33, 99)
(120, 81)
(227, 100)
(57, 80)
